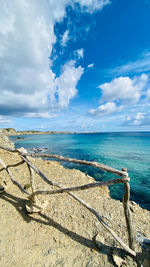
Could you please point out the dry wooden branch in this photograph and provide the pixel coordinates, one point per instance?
(105, 225)
(32, 206)
(13, 165)
(9, 149)
(83, 162)
(13, 180)
(93, 211)
(42, 175)
(127, 213)
(82, 187)
(32, 180)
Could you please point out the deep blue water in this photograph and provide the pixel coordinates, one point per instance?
(118, 150)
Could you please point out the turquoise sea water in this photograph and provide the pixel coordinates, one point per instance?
(118, 150)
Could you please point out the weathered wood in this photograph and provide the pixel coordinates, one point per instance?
(127, 212)
(33, 205)
(13, 180)
(93, 211)
(9, 149)
(105, 225)
(83, 162)
(42, 175)
(32, 180)
(82, 187)
(13, 165)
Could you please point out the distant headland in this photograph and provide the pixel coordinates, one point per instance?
(12, 131)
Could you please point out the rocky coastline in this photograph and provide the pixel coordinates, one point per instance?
(12, 131)
(63, 235)
(5, 141)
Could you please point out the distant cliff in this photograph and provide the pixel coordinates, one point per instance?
(12, 131)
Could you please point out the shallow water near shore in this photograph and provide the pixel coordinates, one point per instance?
(118, 150)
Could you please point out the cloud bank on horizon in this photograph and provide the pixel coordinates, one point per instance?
(50, 56)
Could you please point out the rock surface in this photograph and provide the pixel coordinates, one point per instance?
(63, 234)
(5, 141)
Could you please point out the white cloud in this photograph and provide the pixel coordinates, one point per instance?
(93, 5)
(105, 109)
(138, 119)
(28, 84)
(4, 120)
(122, 93)
(6, 20)
(91, 65)
(66, 83)
(79, 53)
(139, 65)
(124, 89)
(148, 95)
(139, 116)
(65, 38)
(40, 115)
(25, 45)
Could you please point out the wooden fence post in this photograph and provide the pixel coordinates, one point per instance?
(127, 212)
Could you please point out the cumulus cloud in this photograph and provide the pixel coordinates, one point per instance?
(28, 84)
(121, 93)
(66, 83)
(138, 119)
(124, 89)
(105, 109)
(93, 5)
(65, 38)
(25, 46)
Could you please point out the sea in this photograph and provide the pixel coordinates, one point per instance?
(118, 150)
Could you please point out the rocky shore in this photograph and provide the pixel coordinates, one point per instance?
(63, 235)
(12, 131)
(5, 141)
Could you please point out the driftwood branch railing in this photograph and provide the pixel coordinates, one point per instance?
(32, 197)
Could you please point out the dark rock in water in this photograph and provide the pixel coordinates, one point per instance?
(37, 150)
(19, 137)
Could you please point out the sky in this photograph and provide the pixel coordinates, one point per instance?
(75, 65)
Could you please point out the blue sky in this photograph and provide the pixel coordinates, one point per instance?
(77, 65)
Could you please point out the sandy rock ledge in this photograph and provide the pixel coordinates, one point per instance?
(63, 234)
